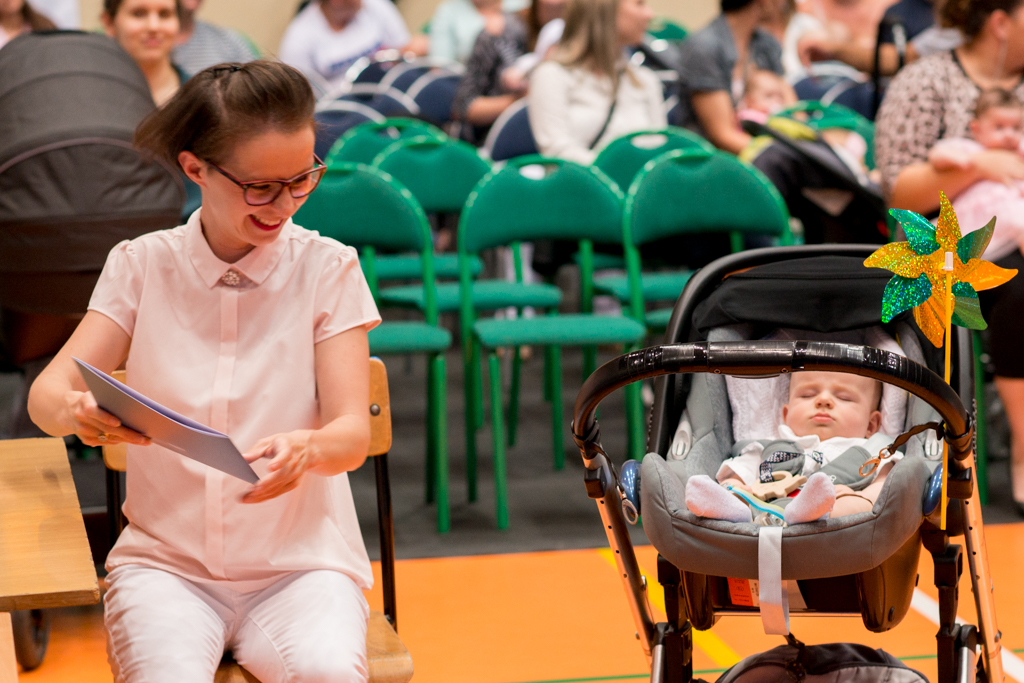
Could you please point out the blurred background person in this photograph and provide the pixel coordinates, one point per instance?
(457, 23)
(201, 44)
(17, 17)
(328, 36)
(716, 63)
(588, 93)
(148, 30)
(66, 14)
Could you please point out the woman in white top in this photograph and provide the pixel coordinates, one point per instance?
(248, 323)
(587, 94)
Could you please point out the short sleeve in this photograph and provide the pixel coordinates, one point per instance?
(343, 299)
(703, 69)
(119, 288)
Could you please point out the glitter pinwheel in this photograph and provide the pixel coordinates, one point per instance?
(938, 273)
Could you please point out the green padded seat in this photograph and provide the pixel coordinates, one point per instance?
(657, 320)
(656, 286)
(560, 330)
(408, 267)
(487, 295)
(408, 337)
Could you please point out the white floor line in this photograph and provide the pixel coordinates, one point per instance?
(928, 608)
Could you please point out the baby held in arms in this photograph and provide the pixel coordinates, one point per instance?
(829, 431)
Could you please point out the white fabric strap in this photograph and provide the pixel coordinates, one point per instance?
(772, 592)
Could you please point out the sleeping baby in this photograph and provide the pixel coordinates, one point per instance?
(829, 431)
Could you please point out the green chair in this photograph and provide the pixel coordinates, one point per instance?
(364, 142)
(533, 198)
(624, 157)
(690, 191)
(820, 116)
(665, 29)
(440, 173)
(366, 208)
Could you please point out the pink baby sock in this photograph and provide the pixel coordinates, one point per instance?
(705, 497)
(815, 500)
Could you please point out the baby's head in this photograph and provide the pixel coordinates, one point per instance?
(998, 120)
(766, 92)
(832, 404)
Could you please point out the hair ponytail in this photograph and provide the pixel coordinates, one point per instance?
(226, 103)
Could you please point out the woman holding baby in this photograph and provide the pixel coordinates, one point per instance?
(937, 98)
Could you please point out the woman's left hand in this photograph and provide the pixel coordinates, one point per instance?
(290, 456)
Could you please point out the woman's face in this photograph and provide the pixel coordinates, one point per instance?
(9, 8)
(340, 13)
(232, 226)
(632, 20)
(146, 29)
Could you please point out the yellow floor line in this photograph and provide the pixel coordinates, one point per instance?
(715, 648)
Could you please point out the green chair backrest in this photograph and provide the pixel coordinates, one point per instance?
(440, 173)
(666, 29)
(820, 116)
(364, 142)
(366, 208)
(534, 197)
(623, 157)
(697, 191)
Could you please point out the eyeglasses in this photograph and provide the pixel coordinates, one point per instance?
(261, 192)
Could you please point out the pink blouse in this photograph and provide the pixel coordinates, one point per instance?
(231, 346)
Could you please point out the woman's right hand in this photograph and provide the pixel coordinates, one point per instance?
(1000, 165)
(95, 426)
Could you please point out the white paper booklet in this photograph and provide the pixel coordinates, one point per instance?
(164, 426)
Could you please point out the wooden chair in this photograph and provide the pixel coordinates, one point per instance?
(387, 658)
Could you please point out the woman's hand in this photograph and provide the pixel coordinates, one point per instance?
(1000, 165)
(95, 426)
(291, 456)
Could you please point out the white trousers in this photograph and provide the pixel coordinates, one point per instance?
(309, 627)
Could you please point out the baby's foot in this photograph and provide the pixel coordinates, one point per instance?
(705, 497)
(815, 500)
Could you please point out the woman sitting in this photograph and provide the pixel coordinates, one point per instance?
(588, 93)
(932, 99)
(148, 31)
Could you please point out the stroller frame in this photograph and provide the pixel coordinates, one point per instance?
(669, 645)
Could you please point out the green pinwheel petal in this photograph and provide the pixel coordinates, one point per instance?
(903, 293)
(967, 313)
(920, 233)
(973, 244)
(964, 289)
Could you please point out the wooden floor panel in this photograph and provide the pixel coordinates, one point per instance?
(562, 616)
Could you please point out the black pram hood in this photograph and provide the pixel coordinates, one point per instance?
(71, 185)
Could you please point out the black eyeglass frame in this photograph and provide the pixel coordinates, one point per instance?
(319, 167)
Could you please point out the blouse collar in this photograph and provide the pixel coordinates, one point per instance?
(256, 265)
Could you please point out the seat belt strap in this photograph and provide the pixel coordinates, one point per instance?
(772, 591)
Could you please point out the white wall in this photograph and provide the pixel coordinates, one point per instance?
(265, 20)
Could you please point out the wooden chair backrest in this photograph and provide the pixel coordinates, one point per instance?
(115, 457)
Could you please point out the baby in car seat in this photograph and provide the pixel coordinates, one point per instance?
(829, 431)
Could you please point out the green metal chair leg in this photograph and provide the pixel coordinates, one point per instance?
(556, 407)
(634, 421)
(469, 391)
(547, 373)
(498, 434)
(589, 361)
(431, 417)
(439, 397)
(513, 397)
(981, 427)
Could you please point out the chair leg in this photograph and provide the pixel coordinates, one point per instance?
(589, 361)
(981, 426)
(556, 406)
(634, 421)
(431, 474)
(470, 381)
(439, 398)
(513, 397)
(497, 430)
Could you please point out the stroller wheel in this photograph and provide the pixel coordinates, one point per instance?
(31, 636)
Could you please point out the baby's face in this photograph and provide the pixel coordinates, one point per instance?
(765, 94)
(832, 404)
(999, 128)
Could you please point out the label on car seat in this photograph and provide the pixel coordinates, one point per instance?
(743, 592)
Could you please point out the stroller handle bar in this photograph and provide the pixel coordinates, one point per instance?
(768, 358)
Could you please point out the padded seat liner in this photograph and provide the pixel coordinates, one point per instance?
(834, 547)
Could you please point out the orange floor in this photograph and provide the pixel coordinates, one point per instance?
(561, 617)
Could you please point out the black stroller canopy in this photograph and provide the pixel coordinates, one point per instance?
(71, 186)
